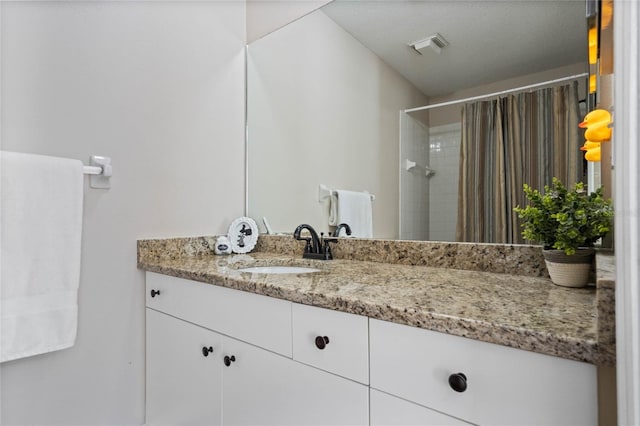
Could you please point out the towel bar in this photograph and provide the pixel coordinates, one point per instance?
(100, 172)
(93, 170)
(324, 192)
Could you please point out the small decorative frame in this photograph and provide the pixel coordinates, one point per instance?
(243, 235)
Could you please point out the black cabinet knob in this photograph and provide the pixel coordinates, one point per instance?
(155, 293)
(229, 359)
(458, 382)
(207, 350)
(322, 342)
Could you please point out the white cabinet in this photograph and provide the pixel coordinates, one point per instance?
(334, 341)
(496, 385)
(183, 385)
(260, 320)
(262, 388)
(205, 376)
(388, 410)
(221, 356)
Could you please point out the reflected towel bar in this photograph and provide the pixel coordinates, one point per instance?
(324, 193)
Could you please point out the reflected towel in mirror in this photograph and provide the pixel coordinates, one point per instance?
(354, 209)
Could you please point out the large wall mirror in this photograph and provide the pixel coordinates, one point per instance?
(325, 96)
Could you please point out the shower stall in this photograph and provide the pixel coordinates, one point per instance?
(429, 158)
(475, 154)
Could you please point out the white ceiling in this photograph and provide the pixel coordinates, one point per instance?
(489, 40)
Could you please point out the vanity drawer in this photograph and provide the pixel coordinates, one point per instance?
(388, 410)
(333, 341)
(260, 320)
(505, 386)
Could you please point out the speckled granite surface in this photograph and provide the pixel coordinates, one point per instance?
(522, 309)
(501, 258)
(606, 306)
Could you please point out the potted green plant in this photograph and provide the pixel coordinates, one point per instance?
(568, 223)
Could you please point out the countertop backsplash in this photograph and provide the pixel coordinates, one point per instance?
(500, 258)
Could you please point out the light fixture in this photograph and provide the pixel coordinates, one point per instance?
(435, 41)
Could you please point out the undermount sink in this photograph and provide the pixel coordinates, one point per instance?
(280, 270)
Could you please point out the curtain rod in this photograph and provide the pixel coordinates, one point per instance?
(504, 92)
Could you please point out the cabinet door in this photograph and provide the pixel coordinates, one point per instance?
(480, 382)
(262, 388)
(183, 385)
(387, 410)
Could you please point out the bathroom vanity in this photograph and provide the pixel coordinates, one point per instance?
(363, 342)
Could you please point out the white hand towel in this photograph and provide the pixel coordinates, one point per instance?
(354, 209)
(41, 229)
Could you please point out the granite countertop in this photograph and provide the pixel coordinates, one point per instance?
(525, 312)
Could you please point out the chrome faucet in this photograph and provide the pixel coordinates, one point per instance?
(316, 247)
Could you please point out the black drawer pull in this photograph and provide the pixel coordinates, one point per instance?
(322, 342)
(155, 293)
(206, 351)
(229, 359)
(458, 382)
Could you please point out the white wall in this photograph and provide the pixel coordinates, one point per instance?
(265, 16)
(322, 110)
(159, 87)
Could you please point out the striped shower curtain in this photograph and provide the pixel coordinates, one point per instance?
(521, 138)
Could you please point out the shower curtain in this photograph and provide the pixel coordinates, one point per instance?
(521, 138)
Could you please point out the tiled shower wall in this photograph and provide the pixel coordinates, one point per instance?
(414, 188)
(429, 205)
(444, 155)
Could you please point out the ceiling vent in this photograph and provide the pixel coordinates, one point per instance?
(435, 41)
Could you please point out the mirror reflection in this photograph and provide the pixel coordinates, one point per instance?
(327, 95)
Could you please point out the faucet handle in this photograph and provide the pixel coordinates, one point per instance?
(307, 244)
(328, 239)
(326, 248)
